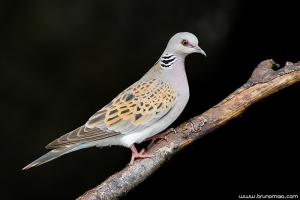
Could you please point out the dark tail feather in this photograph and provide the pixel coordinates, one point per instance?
(55, 153)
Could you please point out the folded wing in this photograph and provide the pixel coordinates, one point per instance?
(133, 110)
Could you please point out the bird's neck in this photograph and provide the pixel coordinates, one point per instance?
(170, 62)
(167, 60)
(170, 68)
(177, 75)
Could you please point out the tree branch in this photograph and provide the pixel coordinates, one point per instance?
(263, 82)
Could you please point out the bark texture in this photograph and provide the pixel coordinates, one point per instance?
(263, 82)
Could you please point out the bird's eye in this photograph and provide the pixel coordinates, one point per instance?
(185, 42)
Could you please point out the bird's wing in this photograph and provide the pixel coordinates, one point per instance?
(133, 110)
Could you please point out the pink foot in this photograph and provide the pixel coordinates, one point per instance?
(161, 135)
(136, 154)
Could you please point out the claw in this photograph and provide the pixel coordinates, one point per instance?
(136, 154)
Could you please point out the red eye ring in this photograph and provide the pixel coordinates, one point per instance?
(185, 42)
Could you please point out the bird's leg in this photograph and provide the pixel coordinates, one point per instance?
(161, 135)
(136, 154)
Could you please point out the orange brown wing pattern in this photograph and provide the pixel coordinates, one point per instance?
(136, 108)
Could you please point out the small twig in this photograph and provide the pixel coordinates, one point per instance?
(263, 82)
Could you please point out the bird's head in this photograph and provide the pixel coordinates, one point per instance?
(184, 43)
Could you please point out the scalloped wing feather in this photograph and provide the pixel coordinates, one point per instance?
(133, 110)
(136, 107)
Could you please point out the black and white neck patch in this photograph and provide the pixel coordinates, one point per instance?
(167, 60)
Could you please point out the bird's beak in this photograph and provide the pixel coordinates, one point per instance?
(199, 50)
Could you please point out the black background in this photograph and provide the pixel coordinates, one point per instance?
(61, 61)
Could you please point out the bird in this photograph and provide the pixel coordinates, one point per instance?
(141, 112)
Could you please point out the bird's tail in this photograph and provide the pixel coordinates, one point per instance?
(55, 153)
